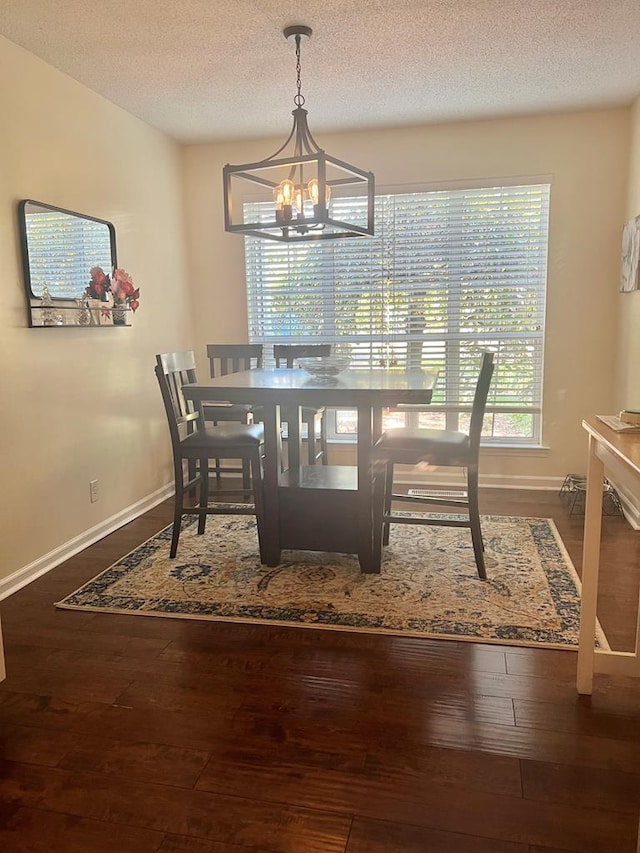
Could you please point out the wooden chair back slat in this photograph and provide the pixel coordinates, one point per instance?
(480, 402)
(232, 358)
(173, 370)
(286, 354)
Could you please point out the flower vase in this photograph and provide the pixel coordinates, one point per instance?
(83, 316)
(98, 310)
(119, 315)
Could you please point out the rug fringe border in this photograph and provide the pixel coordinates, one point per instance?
(240, 620)
(600, 634)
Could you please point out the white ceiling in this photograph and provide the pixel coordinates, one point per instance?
(221, 69)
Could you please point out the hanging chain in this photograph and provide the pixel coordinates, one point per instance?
(299, 98)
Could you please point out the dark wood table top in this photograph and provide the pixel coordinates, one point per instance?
(294, 386)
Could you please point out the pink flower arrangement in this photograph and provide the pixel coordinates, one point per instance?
(120, 284)
(123, 289)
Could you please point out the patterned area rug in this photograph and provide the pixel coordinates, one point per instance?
(428, 586)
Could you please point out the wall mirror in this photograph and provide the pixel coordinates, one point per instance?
(59, 249)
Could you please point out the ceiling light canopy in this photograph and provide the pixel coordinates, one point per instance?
(300, 192)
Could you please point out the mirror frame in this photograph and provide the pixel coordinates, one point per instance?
(33, 300)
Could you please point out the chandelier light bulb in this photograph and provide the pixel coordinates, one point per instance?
(283, 197)
(287, 190)
(313, 189)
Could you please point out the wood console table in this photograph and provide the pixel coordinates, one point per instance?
(318, 508)
(618, 455)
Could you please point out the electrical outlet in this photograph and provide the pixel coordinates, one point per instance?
(93, 490)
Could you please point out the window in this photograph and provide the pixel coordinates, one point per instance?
(448, 275)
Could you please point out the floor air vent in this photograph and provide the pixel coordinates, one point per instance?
(437, 493)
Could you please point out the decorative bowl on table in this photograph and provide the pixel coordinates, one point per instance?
(325, 367)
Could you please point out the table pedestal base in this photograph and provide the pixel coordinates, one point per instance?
(318, 511)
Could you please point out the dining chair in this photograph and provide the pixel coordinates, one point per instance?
(195, 443)
(440, 447)
(285, 355)
(223, 360)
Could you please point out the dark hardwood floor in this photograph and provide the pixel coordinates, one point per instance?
(133, 734)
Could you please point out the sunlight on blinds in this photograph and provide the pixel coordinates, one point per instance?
(448, 275)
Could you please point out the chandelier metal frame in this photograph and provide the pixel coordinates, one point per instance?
(302, 201)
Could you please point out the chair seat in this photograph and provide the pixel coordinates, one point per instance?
(438, 446)
(227, 435)
(226, 411)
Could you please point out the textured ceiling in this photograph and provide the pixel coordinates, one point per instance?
(221, 69)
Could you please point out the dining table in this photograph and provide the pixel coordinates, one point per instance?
(318, 507)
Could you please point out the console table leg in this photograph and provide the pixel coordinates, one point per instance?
(590, 569)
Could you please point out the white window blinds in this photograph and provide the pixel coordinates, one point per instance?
(62, 250)
(448, 275)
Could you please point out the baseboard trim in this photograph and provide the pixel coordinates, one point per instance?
(44, 564)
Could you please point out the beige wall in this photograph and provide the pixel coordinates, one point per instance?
(629, 303)
(82, 404)
(585, 156)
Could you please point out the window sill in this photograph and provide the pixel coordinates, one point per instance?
(529, 449)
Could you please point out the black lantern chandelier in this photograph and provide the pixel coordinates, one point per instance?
(300, 192)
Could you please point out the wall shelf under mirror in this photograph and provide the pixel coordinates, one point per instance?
(60, 248)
